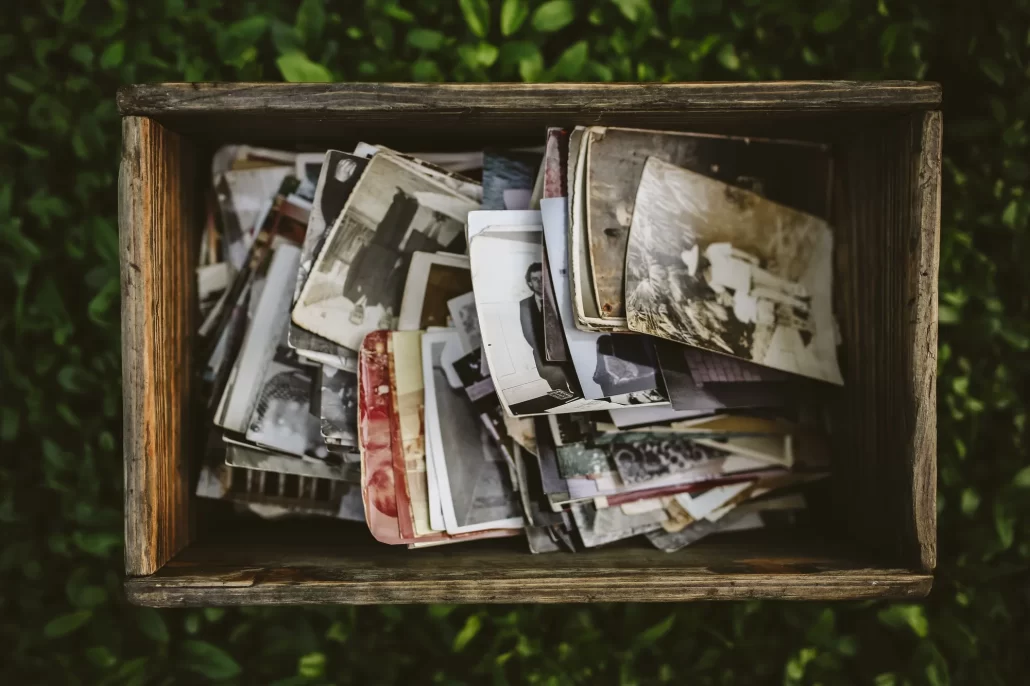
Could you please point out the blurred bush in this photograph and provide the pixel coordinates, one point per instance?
(62, 616)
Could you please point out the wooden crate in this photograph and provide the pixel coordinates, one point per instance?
(879, 537)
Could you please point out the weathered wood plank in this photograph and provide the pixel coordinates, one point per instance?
(735, 567)
(923, 260)
(267, 98)
(884, 468)
(157, 304)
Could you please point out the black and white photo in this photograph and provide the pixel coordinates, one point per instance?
(508, 179)
(357, 282)
(471, 471)
(339, 406)
(336, 174)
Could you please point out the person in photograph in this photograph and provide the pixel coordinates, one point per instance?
(281, 419)
(623, 365)
(531, 313)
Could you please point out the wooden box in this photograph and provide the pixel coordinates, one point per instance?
(879, 533)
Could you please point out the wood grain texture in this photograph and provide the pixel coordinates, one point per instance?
(264, 98)
(923, 261)
(884, 461)
(730, 568)
(157, 305)
(409, 116)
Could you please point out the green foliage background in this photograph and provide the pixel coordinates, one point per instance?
(62, 616)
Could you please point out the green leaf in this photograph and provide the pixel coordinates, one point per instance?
(208, 660)
(152, 624)
(635, 10)
(311, 666)
(830, 20)
(571, 62)
(101, 656)
(970, 502)
(553, 16)
(727, 57)
(18, 83)
(910, 616)
(477, 16)
(1004, 525)
(112, 55)
(310, 21)
(286, 38)
(1022, 478)
(425, 39)
(426, 70)
(513, 15)
(651, 635)
(10, 420)
(297, 68)
(72, 9)
(992, 70)
(66, 624)
(467, 633)
(82, 53)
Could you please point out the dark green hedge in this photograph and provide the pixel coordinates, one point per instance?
(62, 617)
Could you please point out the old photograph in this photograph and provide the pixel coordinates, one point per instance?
(709, 367)
(267, 327)
(554, 338)
(507, 274)
(742, 275)
(339, 406)
(606, 364)
(472, 472)
(465, 319)
(508, 179)
(433, 280)
(615, 163)
(336, 174)
(688, 395)
(281, 418)
(242, 195)
(357, 283)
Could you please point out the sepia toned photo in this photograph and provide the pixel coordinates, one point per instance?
(356, 284)
(741, 275)
(615, 163)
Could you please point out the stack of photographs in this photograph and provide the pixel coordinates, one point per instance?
(621, 333)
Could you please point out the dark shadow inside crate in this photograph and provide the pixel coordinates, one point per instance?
(853, 520)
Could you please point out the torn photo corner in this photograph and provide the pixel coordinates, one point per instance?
(726, 281)
(356, 284)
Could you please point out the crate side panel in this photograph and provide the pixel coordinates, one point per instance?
(920, 332)
(769, 564)
(155, 208)
(886, 276)
(326, 99)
